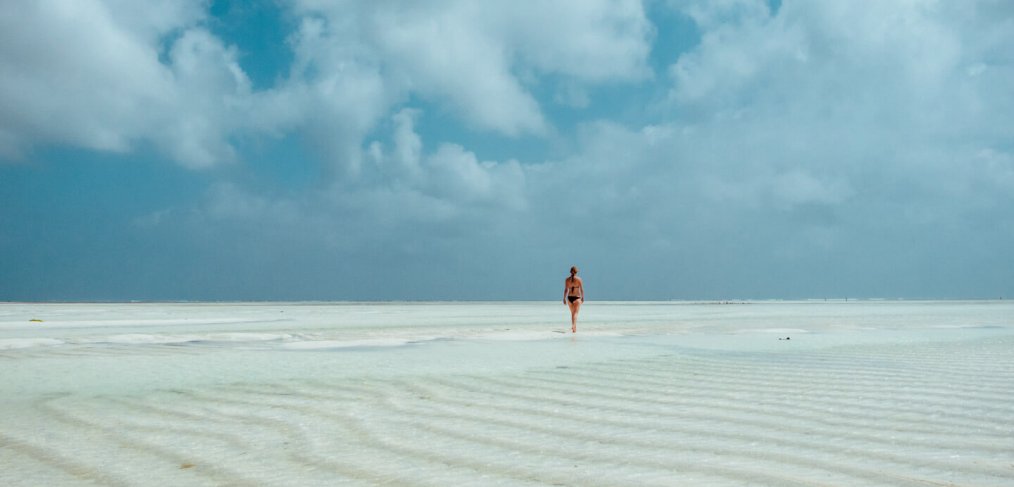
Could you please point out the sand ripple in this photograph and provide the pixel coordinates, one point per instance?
(892, 415)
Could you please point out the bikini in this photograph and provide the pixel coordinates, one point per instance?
(570, 297)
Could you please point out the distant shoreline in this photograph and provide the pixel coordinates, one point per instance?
(522, 301)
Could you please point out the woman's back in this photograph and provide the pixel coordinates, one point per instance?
(574, 286)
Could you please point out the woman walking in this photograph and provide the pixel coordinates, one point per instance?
(573, 296)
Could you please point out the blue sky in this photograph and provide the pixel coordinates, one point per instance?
(316, 150)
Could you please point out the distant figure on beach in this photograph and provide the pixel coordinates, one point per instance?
(573, 296)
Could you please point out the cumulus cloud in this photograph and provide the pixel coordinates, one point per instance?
(821, 147)
(845, 90)
(846, 59)
(845, 126)
(407, 190)
(106, 74)
(92, 74)
(450, 173)
(70, 73)
(205, 74)
(476, 57)
(852, 141)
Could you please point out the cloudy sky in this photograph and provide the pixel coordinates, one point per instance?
(329, 150)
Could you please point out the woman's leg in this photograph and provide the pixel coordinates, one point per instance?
(575, 307)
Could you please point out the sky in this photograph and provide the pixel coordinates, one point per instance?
(466, 150)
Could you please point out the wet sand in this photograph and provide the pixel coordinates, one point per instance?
(491, 394)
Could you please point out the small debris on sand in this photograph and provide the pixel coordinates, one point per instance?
(186, 466)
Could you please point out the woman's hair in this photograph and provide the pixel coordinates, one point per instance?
(573, 271)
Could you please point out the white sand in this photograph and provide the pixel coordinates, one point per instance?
(864, 393)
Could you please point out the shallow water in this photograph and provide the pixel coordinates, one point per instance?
(863, 393)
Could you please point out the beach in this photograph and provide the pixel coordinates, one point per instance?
(807, 393)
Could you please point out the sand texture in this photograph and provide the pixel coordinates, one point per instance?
(892, 394)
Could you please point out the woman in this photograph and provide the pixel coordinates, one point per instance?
(573, 296)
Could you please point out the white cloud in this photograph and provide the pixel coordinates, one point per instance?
(844, 89)
(149, 21)
(826, 135)
(847, 59)
(450, 174)
(211, 96)
(472, 56)
(411, 197)
(591, 41)
(69, 73)
(89, 73)
(107, 74)
(337, 90)
(457, 173)
(859, 141)
(407, 148)
(444, 54)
